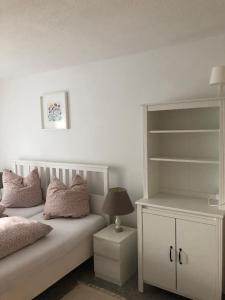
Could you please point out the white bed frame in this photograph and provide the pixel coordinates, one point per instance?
(31, 285)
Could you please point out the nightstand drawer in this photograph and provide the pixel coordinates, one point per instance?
(106, 249)
(107, 268)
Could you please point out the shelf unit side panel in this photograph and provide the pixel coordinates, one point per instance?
(152, 147)
(145, 124)
(222, 152)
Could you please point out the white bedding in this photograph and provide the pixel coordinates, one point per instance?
(24, 212)
(66, 235)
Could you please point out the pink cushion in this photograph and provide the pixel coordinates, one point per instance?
(21, 191)
(18, 232)
(63, 201)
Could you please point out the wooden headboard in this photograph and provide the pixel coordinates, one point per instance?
(95, 175)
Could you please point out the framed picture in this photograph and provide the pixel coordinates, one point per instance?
(54, 110)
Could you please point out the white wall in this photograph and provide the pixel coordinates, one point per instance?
(105, 112)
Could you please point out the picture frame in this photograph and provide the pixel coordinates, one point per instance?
(54, 110)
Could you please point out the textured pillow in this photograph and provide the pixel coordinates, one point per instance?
(18, 232)
(2, 208)
(62, 201)
(21, 191)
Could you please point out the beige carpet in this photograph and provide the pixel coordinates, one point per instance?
(89, 292)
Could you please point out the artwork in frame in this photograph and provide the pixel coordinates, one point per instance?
(54, 110)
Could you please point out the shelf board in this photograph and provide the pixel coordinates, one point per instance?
(186, 131)
(185, 160)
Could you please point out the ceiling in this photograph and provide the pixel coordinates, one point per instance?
(42, 35)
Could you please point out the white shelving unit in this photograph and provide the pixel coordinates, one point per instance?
(182, 144)
(183, 168)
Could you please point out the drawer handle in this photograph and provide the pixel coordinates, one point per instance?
(180, 262)
(171, 248)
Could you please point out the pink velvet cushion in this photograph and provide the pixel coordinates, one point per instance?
(21, 191)
(63, 201)
(18, 232)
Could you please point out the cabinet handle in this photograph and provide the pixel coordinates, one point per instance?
(171, 248)
(180, 262)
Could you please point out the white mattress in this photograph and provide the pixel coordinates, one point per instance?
(66, 235)
(24, 212)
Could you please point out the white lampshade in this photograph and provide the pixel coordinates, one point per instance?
(217, 75)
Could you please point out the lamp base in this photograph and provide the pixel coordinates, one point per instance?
(118, 227)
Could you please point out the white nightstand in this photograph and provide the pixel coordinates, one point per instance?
(115, 254)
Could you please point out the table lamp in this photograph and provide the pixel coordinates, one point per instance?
(117, 203)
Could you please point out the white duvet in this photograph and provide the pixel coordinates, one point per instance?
(66, 235)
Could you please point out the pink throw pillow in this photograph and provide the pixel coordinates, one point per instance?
(63, 201)
(21, 191)
(18, 232)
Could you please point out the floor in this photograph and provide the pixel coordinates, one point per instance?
(85, 273)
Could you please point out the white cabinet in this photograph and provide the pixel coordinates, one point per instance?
(159, 264)
(197, 264)
(180, 252)
(180, 236)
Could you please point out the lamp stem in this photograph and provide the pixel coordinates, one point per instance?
(118, 227)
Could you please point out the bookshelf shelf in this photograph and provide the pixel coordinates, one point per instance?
(186, 131)
(185, 160)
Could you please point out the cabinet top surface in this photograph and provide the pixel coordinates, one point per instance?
(186, 103)
(109, 233)
(182, 204)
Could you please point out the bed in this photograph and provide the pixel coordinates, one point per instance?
(28, 272)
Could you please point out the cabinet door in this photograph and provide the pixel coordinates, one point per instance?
(197, 263)
(159, 262)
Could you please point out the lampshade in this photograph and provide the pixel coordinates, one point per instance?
(217, 75)
(117, 202)
(1, 185)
